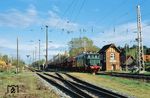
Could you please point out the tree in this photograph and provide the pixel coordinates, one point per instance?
(148, 51)
(7, 63)
(6, 59)
(36, 64)
(2, 66)
(78, 45)
(21, 64)
(4, 62)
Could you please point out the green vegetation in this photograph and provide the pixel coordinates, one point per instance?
(8, 63)
(147, 66)
(135, 88)
(5, 58)
(29, 86)
(132, 52)
(38, 63)
(77, 45)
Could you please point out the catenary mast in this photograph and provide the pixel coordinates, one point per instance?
(140, 53)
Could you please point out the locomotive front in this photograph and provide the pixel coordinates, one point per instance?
(93, 62)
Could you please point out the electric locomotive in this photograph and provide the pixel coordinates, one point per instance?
(88, 62)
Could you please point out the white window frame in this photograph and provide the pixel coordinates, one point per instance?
(112, 56)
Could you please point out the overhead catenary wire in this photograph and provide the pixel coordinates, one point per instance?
(114, 10)
(70, 11)
(141, 3)
(121, 16)
(77, 6)
(73, 3)
(127, 13)
(80, 9)
(110, 11)
(73, 9)
(132, 30)
(65, 12)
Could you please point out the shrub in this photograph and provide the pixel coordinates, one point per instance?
(147, 67)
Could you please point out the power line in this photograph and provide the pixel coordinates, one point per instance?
(65, 12)
(112, 10)
(127, 13)
(141, 3)
(80, 9)
(73, 9)
(68, 8)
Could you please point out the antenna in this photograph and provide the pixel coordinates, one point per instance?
(140, 54)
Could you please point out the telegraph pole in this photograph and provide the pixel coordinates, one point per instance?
(35, 53)
(84, 43)
(39, 54)
(39, 49)
(28, 58)
(17, 57)
(126, 57)
(46, 46)
(140, 53)
(33, 56)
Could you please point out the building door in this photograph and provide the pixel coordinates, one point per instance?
(113, 67)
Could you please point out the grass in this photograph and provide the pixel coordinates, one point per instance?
(146, 72)
(29, 86)
(122, 85)
(132, 52)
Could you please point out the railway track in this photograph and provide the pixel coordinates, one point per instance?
(71, 86)
(95, 89)
(62, 88)
(76, 89)
(30, 69)
(128, 75)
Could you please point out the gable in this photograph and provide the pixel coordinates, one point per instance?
(112, 47)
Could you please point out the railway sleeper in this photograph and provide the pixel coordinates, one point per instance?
(72, 86)
(95, 87)
(66, 90)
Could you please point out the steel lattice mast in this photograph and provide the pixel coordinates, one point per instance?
(140, 53)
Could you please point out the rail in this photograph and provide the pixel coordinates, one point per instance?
(103, 91)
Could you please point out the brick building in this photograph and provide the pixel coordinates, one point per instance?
(147, 58)
(110, 58)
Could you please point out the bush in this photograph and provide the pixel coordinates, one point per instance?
(147, 67)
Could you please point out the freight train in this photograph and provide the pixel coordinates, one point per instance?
(89, 62)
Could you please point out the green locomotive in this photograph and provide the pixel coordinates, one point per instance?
(88, 62)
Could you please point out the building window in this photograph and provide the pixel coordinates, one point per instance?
(96, 56)
(88, 56)
(112, 56)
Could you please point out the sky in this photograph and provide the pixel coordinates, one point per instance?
(103, 21)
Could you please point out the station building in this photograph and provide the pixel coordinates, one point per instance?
(147, 58)
(110, 58)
